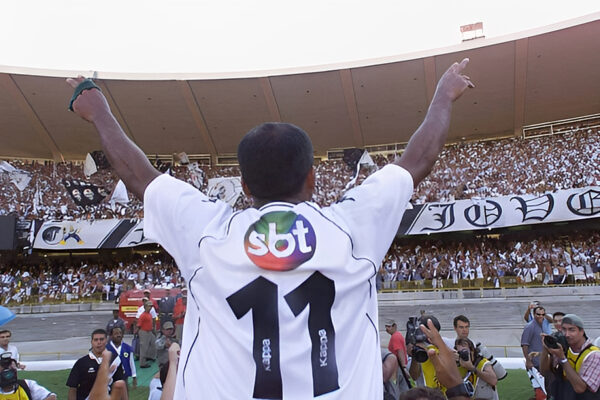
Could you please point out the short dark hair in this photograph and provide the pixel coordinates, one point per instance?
(461, 318)
(558, 313)
(113, 329)
(5, 331)
(275, 159)
(538, 308)
(422, 393)
(99, 332)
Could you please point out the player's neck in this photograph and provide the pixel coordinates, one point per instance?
(258, 203)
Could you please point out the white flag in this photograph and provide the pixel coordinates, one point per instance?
(6, 167)
(196, 174)
(225, 189)
(365, 159)
(20, 179)
(89, 167)
(120, 194)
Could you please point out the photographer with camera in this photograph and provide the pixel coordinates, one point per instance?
(462, 327)
(421, 368)
(476, 369)
(447, 374)
(574, 360)
(11, 387)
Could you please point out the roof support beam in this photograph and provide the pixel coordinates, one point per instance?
(11, 87)
(114, 107)
(265, 84)
(350, 99)
(194, 108)
(430, 78)
(521, 50)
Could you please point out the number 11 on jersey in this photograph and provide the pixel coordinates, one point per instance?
(260, 296)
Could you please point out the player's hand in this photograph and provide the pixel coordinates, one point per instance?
(90, 103)
(174, 350)
(453, 83)
(134, 383)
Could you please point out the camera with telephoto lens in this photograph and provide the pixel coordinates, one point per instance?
(415, 335)
(552, 341)
(464, 355)
(8, 375)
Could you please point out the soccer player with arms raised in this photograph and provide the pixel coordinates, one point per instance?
(282, 296)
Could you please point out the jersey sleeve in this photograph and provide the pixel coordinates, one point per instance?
(37, 391)
(176, 214)
(373, 211)
(73, 380)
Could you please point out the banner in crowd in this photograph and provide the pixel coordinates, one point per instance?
(461, 215)
(84, 194)
(503, 211)
(225, 189)
(98, 234)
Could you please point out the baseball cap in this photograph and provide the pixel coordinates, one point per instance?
(390, 322)
(573, 319)
(168, 325)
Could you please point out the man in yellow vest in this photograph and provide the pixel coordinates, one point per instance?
(580, 365)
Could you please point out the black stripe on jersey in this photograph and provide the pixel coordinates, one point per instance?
(372, 324)
(226, 233)
(349, 237)
(230, 220)
(198, 329)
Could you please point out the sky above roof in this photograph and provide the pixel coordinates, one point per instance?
(200, 36)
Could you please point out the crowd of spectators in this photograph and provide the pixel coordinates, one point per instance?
(464, 170)
(547, 260)
(551, 259)
(57, 280)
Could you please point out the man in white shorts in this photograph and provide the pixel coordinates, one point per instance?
(282, 296)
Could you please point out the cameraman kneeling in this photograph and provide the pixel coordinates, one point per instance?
(476, 369)
(23, 389)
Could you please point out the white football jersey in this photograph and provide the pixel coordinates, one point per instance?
(282, 301)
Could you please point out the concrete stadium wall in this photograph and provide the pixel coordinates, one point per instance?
(512, 293)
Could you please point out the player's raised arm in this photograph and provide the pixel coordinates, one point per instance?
(128, 160)
(426, 143)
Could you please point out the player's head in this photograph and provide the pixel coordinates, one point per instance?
(275, 160)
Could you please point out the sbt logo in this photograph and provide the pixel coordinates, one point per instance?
(280, 241)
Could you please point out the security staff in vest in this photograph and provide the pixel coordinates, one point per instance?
(12, 388)
(580, 364)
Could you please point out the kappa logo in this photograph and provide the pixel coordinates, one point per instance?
(280, 241)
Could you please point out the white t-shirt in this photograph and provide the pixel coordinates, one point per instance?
(282, 299)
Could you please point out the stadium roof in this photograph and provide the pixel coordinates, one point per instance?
(531, 77)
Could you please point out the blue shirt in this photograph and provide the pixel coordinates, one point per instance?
(546, 327)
